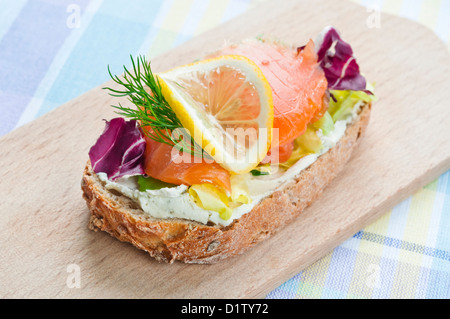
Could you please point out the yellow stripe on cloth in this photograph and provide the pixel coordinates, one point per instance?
(419, 215)
(213, 15)
(314, 278)
(170, 27)
(392, 6)
(429, 13)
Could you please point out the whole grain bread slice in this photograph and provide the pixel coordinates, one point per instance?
(192, 242)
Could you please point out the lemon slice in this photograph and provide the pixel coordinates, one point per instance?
(226, 105)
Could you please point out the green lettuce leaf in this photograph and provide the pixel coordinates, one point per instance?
(147, 182)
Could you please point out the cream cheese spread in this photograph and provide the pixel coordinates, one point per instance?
(176, 202)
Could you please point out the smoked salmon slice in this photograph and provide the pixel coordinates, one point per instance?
(298, 82)
(165, 163)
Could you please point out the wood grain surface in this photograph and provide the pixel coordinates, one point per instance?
(43, 225)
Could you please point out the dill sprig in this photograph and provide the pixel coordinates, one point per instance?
(150, 109)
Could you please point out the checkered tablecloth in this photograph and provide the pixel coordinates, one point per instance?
(53, 51)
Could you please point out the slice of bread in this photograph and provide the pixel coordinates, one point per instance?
(192, 242)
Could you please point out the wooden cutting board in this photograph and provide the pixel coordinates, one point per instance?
(44, 219)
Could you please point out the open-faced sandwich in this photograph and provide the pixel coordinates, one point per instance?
(210, 158)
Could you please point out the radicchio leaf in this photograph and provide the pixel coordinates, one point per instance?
(119, 151)
(335, 56)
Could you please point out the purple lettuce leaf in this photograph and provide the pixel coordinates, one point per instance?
(335, 56)
(119, 151)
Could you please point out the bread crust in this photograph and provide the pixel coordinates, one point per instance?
(168, 240)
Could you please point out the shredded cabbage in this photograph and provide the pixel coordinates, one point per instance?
(307, 143)
(326, 124)
(343, 102)
(209, 197)
(239, 190)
